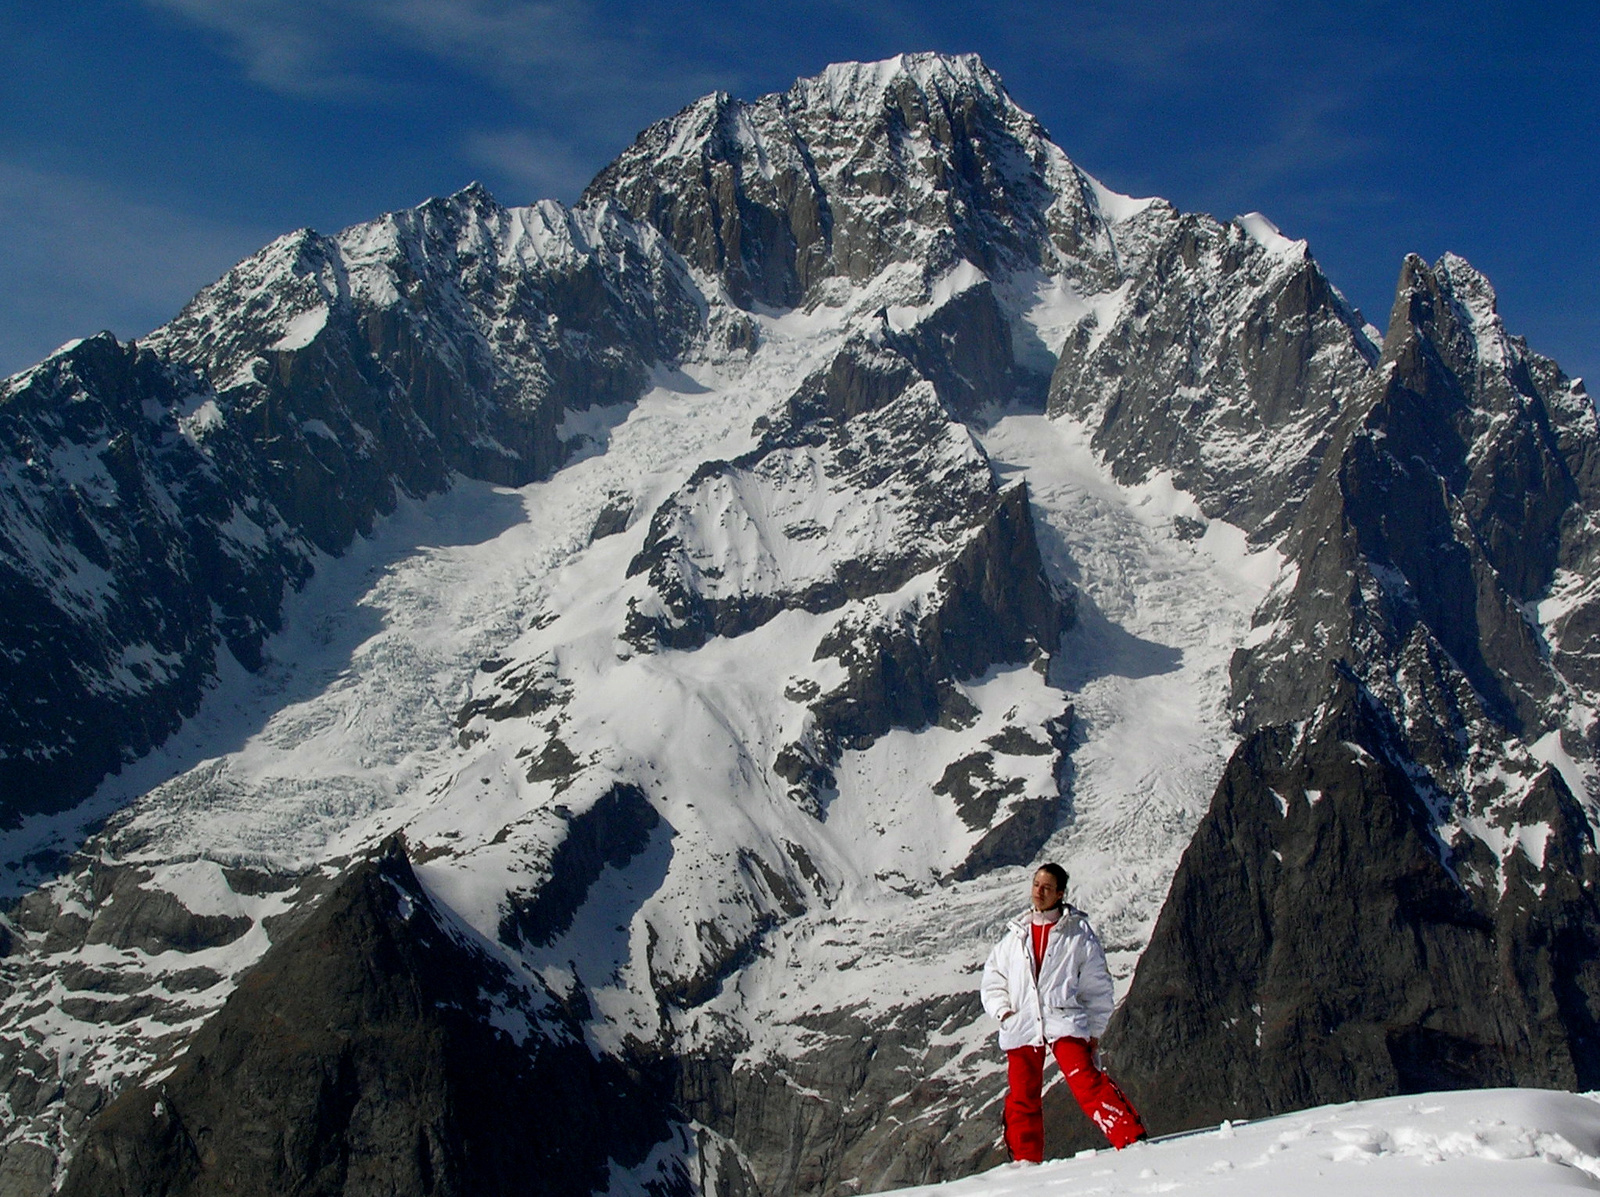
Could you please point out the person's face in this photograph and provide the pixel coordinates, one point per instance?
(1046, 893)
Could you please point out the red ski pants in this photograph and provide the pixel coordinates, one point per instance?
(1096, 1093)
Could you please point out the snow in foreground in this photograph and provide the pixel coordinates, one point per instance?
(1494, 1141)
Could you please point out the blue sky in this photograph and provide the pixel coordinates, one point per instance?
(146, 145)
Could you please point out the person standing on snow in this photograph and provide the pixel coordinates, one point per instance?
(1046, 984)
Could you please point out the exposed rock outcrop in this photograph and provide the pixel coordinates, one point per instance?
(610, 833)
(1224, 358)
(1393, 890)
(1323, 942)
(1459, 484)
(922, 160)
(865, 1109)
(378, 1048)
(136, 541)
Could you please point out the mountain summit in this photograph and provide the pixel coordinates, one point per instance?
(632, 655)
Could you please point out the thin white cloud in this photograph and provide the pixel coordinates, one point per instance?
(578, 86)
(1312, 139)
(297, 47)
(542, 166)
(1160, 43)
(80, 257)
(518, 45)
(537, 52)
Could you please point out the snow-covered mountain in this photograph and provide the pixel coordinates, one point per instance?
(624, 661)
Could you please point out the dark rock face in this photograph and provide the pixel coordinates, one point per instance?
(143, 1014)
(1391, 892)
(365, 1054)
(764, 236)
(125, 522)
(1017, 838)
(1320, 943)
(613, 518)
(611, 832)
(129, 916)
(854, 170)
(1224, 362)
(991, 604)
(964, 348)
(336, 446)
(1451, 498)
(885, 1117)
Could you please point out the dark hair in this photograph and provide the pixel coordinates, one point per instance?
(1056, 872)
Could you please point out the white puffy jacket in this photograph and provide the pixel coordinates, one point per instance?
(1072, 996)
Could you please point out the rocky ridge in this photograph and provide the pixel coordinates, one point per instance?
(1415, 778)
(921, 162)
(134, 545)
(422, 1059)
(1231, 381)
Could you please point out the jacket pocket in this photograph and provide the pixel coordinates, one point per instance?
(1063, 996)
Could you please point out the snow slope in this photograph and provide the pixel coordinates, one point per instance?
(1493, 1141)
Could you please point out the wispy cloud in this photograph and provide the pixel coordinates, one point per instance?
(290, 46)
(1277, 94)
(577, 81)
(1309, 145)
(543, 166)
(536, 52)
(1162, 44)
(80, 257)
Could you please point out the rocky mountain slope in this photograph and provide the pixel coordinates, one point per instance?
(287, 407)
(635, 654)
(1399, 865)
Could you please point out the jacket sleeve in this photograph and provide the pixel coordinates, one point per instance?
(1095, 993)
(996, 993)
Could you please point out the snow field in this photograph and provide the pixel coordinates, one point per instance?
(1146, 668)
(1484, 1142)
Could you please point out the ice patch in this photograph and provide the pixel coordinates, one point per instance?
(202, 420)
(1580, 776)
(1267, 235)
(1115, 206)
(962, 277)
(303, 329)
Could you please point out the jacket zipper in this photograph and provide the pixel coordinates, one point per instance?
(1038, 993)
(1038, 990)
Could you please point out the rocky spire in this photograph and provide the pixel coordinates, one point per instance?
(1356, 914)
